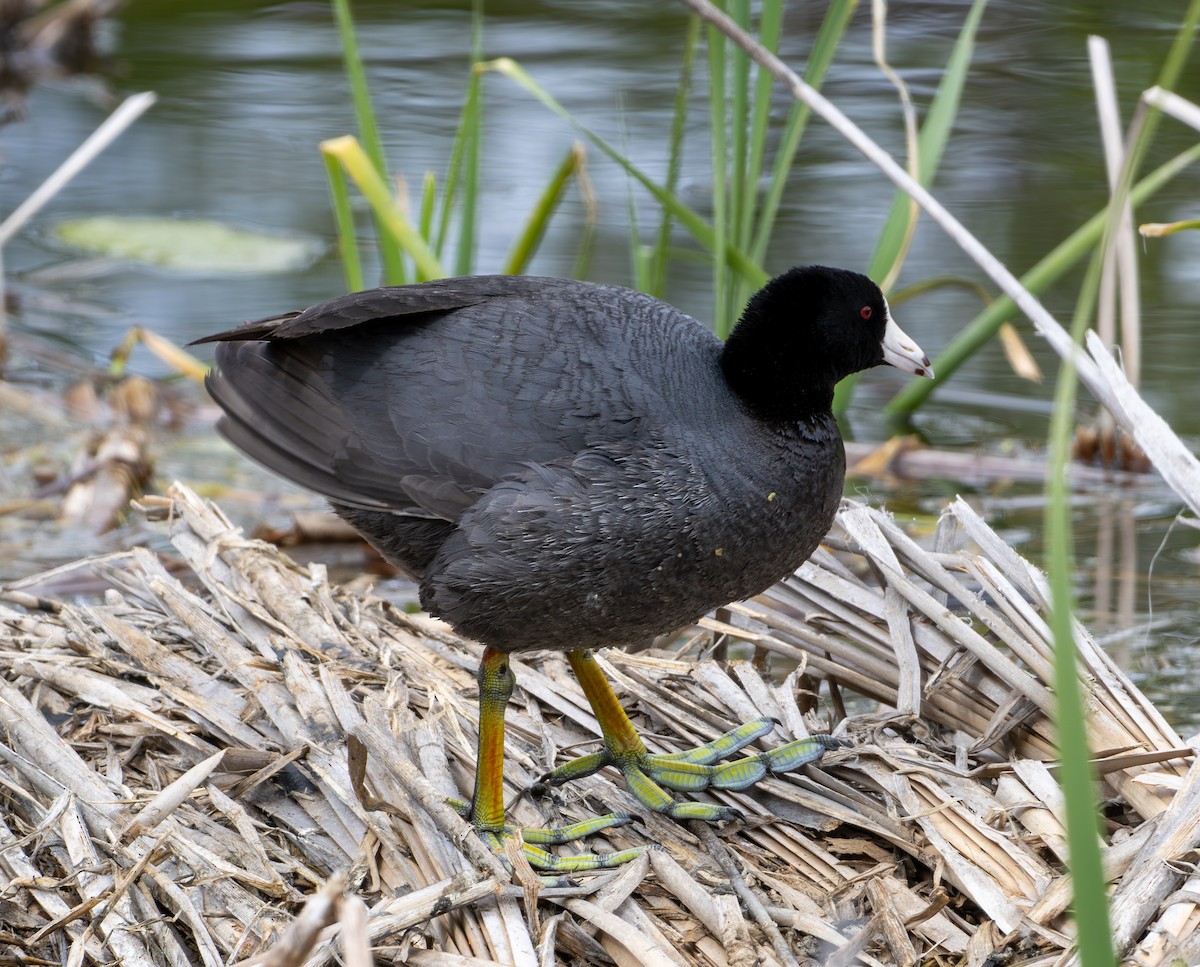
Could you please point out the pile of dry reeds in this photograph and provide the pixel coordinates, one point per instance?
(187, 765)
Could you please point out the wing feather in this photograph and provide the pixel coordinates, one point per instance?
(419, 399)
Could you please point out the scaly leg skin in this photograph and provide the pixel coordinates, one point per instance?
(486, 809)
(647, 774)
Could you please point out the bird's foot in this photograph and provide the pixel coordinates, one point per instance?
(533, 841)
(646, 774)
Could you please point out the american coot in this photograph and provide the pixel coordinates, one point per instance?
(564, 465)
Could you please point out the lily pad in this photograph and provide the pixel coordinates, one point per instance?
(194, 245)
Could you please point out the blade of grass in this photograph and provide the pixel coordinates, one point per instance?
(639, 253)
(463, 164)
(529, 239)
(694, 223)
(657, 273)
(587, 195)
(828, 37)
(353, 159)
(1076, 775)
(360, 96)
(720, 174)
(1089, 896)
(1050, 268)
(468, 123)
(343, 217)
(744, 200)
(473, 120)
(368, 130)
(739, 124)
(935, 282)
(428, 204)
(640, 265)
(640, 256)
(769, 29)
(738, 80)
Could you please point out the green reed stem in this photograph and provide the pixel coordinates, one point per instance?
(368, 130)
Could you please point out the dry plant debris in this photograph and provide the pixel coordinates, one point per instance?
(251, 768)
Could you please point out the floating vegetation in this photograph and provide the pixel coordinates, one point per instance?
(200, 246)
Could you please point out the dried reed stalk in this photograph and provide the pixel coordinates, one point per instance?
(184, 764)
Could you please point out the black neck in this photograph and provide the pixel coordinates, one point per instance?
(777, 387)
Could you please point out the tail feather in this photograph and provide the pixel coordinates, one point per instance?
(280, 413)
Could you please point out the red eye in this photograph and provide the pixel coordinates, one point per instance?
(865, 312)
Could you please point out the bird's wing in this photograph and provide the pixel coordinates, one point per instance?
(356, 308)
(422, 410)
(283, 410)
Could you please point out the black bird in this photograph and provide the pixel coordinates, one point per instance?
(563, 465)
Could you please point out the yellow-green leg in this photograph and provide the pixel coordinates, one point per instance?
(647, 774)
(496, 683)
(486, 809)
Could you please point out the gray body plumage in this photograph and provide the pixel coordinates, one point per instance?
(560, 465)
